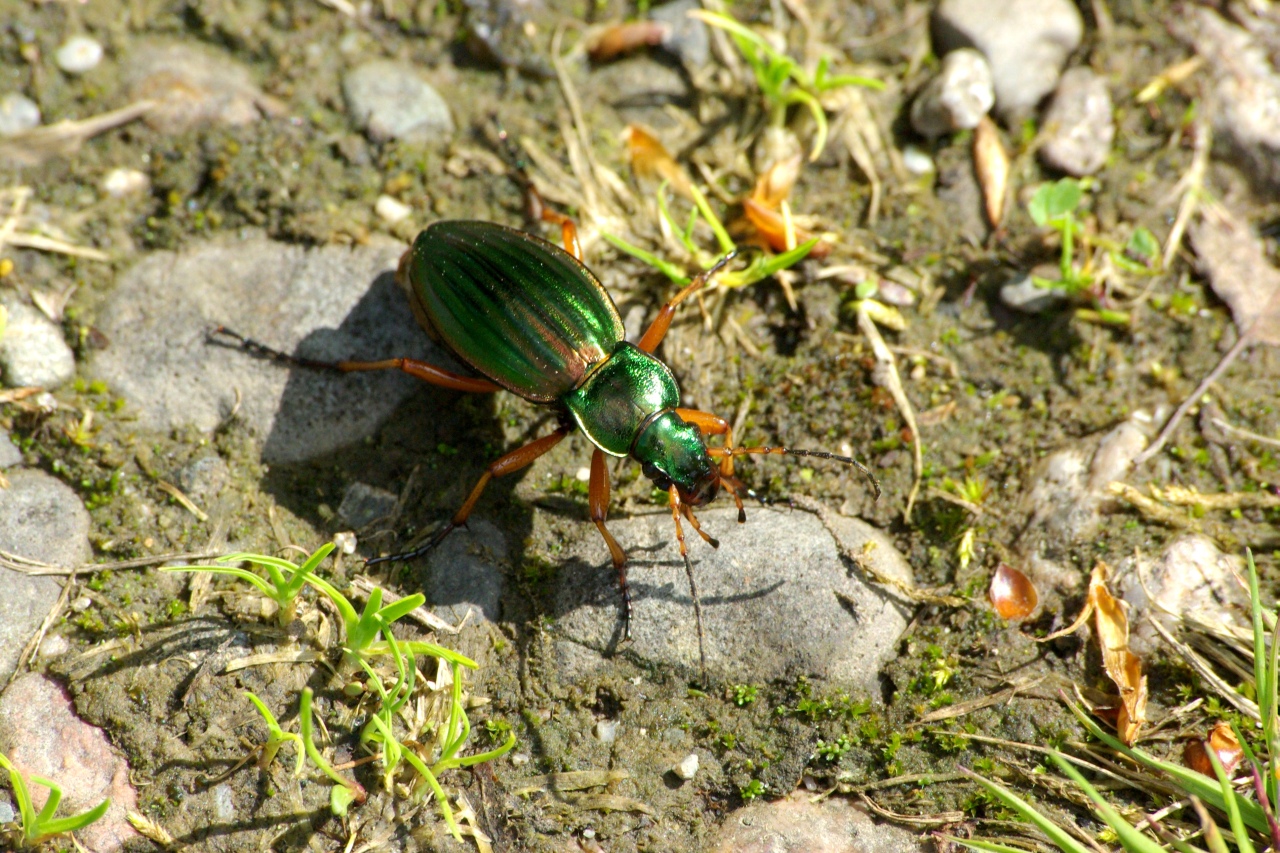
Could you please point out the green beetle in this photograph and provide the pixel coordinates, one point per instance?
(532, 319)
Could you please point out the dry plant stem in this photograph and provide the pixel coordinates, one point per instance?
(1150, 508)
(1245, 434)
(64, 138)
(887, 376)
(1241, 344)
(36, 639)
(939, 819)
(1245, 706)
(1190, 185)
(1182, 496)
(969, 707)
(28, 566)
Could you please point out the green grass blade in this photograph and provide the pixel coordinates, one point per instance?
(1131, 838)
(430, 778)
(1187, 779)
(1231, 801)
(236, 572)
(667, 268)
(26, 809)
(987, 846)
(1056, 834)
(420, 647)
(71, 824)
(717, 227)
(50, 804)
(398, 609)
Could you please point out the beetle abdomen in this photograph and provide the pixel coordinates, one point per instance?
(518, 309)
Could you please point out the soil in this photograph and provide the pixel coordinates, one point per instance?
(1002, 389)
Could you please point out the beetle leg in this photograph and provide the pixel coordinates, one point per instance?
(503, 465)
(598, 503)
(421, 369)
(658, 328)
(538, 209)
(706, 537)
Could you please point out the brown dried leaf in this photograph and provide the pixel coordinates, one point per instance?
(1233, 259)
(1222, 740)
(774, 185)
(991, 163)
(1122, 666)
(1012, 593)
(650, 159)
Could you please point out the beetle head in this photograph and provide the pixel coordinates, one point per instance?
(672, 451)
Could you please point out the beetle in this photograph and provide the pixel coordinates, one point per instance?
(531, 318)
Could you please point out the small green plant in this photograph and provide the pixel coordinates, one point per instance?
(35, 826)
(761, 266)
(784, 82)
(276, 738)
(283, 582)
(833, 751)
(742, 695)
(1055, 206)
(754, 788)
(346, 791)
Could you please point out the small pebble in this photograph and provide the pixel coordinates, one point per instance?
(1078, 124)
(54, 646)
(957, 98)
(1026, 43)
(917, 161)
(1023, 294)
(33, 351)
(362, 504)
(10, 455)
(345, 542)
(78, 54)
(519, 759)
(687, 39)
(119, 183)
(390, 101)
(224, 804)
(607, 731)
(81, 604)
(687, 768)
(7, 812)
(18, 113)
(390, 210)
(583, 475)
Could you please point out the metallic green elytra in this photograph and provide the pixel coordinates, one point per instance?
(533, 319)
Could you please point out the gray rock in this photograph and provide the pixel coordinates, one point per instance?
(1068, 492)
(326, 303)
(32, 349)
(78, 54)
(10, 455)
(390, 101)
(205, 478)
(42, 736)
(17, 114)
(42, 519)
(1244, 101)
(464, 574)
(1078, 124)
(768, 595)
(796, 824)
(363, 504)
(957, 98)
(1190, 580)
(1023, 294)
(193, 85)
(1026, 42)
(687, 39)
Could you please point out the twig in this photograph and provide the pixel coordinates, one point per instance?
(887, 377)
(28, 566)
(33, 147)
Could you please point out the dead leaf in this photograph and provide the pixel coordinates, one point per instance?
(1122, 666)
(991, 163)
(650, 159)
(1222, 740)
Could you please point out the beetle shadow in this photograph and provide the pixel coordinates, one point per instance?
(417, 449)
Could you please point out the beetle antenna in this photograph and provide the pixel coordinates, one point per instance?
(697, 617)
(720, 452)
